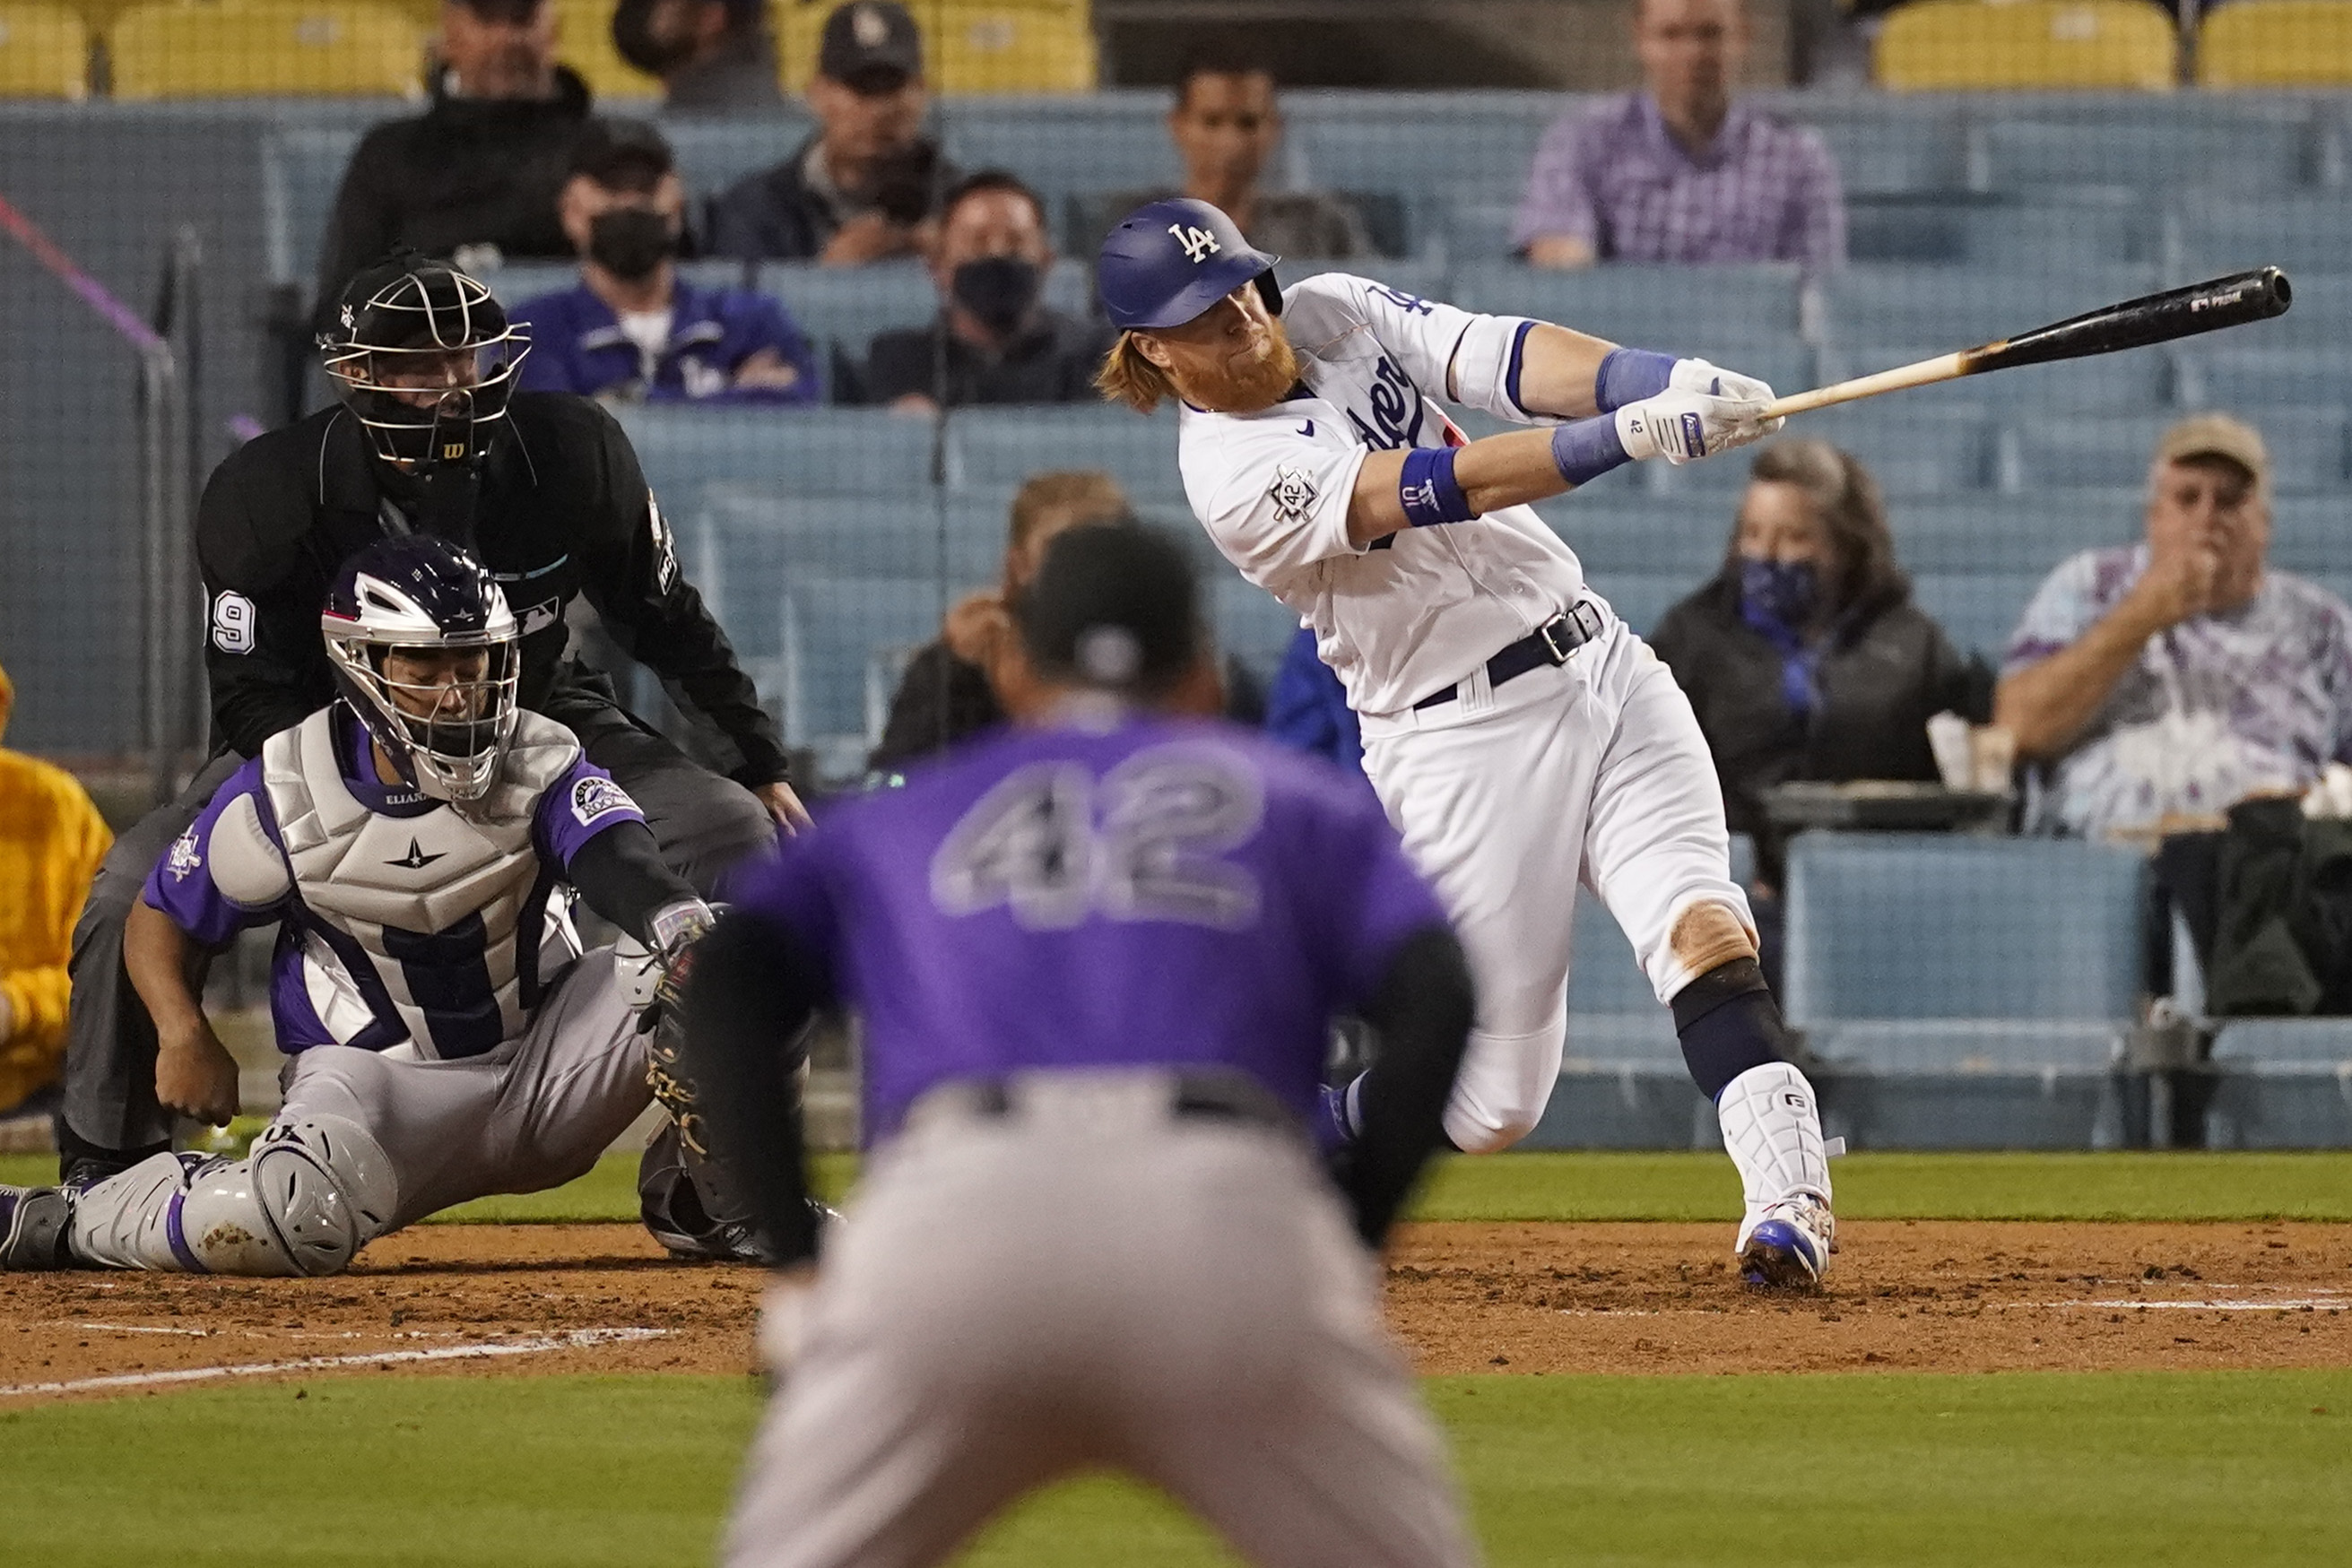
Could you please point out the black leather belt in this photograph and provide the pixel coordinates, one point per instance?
(1219, 1096)
(1550, 644)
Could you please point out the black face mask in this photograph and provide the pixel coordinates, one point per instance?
(630, 241)
(633, 34)
(998, 289)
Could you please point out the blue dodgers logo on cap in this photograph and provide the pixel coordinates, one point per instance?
(595, 798)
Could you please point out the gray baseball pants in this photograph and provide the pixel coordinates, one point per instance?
(1087, 1279)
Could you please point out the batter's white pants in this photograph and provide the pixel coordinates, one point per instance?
(1505, 798)
(533, 1114)
(1087, 1280)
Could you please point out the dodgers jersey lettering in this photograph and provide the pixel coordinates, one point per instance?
(1166, 892)
(231, 870)
(1423, 608)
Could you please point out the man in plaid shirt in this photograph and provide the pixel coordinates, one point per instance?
(1679, 171)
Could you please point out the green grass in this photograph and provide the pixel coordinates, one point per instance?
(1699, 1186)
(1830, 1470)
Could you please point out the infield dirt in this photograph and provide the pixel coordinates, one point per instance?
(1919, 1295)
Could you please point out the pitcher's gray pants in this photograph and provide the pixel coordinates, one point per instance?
(1090, 1280)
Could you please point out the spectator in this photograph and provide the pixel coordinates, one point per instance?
(714, 57)
(1680, 171)
(946, 695)
(2172, 678)
(634, 329)
(866, 186)
(1805, 657)
(1225, 126)
(473, 179)
(995, 340)
(51, 839)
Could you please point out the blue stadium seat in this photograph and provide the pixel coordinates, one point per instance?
(2246, 381)
(2282, 1083)
(1995, 534)
(1977, 610)
(1640, 533)
(2200, 145)
(1890, 144)
(1928, 448)
(2130, 382)
(839, 635)
(1004, 446)
(2307, 451)
(1629, 303)
(2312, 535)
(816, 451)
(757, 540)
(1252, 624)
(1614, 1016)
(1640, 598)
(1955, 308)
(1065, 146)
(2301, 234)
(2092, 228)
(846, 306)
(1475, 145)
(300, 167)
(714, 153)
(1957, 953)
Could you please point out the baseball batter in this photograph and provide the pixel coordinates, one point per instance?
(1096, 956)
(1519, 734)
(446, 1041)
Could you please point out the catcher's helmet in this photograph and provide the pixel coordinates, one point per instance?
(1167, 262)
(425, 358)
(419, 594)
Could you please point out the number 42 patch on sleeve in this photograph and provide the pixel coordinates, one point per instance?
(595, 798)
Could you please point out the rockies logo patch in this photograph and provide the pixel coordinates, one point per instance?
(595, 798)
(1293, 494)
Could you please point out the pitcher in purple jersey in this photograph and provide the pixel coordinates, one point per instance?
(449, 1039)
(1096, 956)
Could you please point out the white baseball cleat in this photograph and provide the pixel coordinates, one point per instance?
(1789, 1246)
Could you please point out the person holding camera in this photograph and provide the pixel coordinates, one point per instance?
(868, 184)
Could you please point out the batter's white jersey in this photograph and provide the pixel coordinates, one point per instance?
(1420, 610)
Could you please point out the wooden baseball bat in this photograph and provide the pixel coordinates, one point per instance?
(2133, 324)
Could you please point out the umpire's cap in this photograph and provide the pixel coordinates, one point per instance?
(1167, 262)
(1113, 605)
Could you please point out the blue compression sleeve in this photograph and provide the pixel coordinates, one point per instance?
(1587, 449)
(1628, 375)
(1428, 490)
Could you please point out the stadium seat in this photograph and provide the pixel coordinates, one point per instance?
(2282, 1083)
(1950, 952)
(300, 167)
(517, 281)
(1471, 147)
(1954, 308)
(1003, 447)
(1638, 533)
(2306, 444)
(1641, 598)
(584, 42)
(806, 451)
(2312, 537)
(267, 49)
(1992, 535)
(1961, 46)
(1979, 610)
(1899, 148)
(839, 637)
(2206, 146)
(712, 154)
(43, 51)
(846, 306)
(971, 46)
(2134, 382)
(2304, 235)
(1067, 147)
(2092, 227)
(2277, 44)
(1633, 303)
(1927, 449)
(1252, 624)
(2247, 381)
(757, 540)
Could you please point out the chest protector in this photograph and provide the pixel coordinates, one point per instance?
(437, 917)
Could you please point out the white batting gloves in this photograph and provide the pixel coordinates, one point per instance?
(1685, 426)
(1698, 376)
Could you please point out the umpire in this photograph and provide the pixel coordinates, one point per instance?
(1094, 958)
(428, 436)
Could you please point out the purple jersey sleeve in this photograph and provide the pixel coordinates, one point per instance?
(798, 891)
(1375, 899)
(577, 807)
(181, 884)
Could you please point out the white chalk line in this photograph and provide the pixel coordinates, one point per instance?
(2276, 1304)
(576, 1339)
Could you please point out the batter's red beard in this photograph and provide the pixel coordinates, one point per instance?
(1253, 389)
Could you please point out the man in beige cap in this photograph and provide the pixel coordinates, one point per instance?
(2166, 680)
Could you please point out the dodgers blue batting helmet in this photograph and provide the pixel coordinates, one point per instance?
(1167, 262)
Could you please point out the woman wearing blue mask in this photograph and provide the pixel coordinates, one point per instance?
(1804, 656)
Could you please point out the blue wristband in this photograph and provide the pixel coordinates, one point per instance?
(1587, 449)
(1628, 375)
(1428, 490)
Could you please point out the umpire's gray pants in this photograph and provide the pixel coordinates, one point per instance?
(1087, 1280)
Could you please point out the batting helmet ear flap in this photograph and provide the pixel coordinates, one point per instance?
(1270, 291)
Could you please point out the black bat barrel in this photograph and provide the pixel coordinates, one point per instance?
(2231, 301)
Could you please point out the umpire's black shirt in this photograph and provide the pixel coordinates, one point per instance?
(563, 510)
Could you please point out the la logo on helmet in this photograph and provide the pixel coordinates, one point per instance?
(1199, 244)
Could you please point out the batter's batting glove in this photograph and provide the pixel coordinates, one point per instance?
(1685, 426)
(1698, 376)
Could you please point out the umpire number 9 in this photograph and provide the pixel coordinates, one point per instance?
(233, 622)
(1053, 845)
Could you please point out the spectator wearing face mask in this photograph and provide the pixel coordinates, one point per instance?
(713, 57)
(995, 340)
(867, 185)
(633, 329)
(1805, 657)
